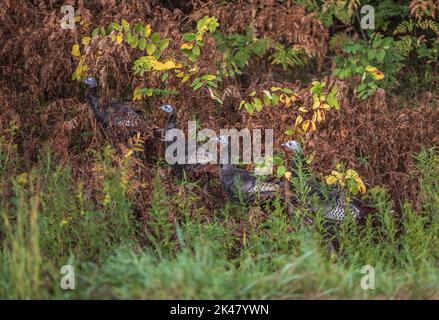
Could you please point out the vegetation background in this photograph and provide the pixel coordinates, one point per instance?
(114, 212)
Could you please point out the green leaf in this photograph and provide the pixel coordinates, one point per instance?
(165, 76)
(371, 54)
(163, 44)
(267, 100)
(138, 28)
(197, 86)
(149, 92)
(189, 37)
(257, 103)
(95, 32)
(361, 87)
(275, 99)
(192, 58)
(150, 48)
(381, 55)
(195, 82)
(196, 50)
(135, 42)
(129, 38)
(278, 161)
(125, 25)
(280, 172)
(142, 44)
(289, 132)
(208, 77)
(113, 26)
(332, 98)
(155, 37)
(249, 107)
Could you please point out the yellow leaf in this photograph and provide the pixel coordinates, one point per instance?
(75, 50)
(194, 69)
(320, 115)
(330, 179)
(339, 176)
(78, 19)
(360, 184)
(286, 100)
(162, 66)
(299, 120)
(22, 178)
(314, 116)
(147, 31)
(288, 175)
(85, 41)
(303, 109)
(313, 126)
(377, 74)
(351, 174)
(316, 102)
(274, 89)
(137, 95)
(80, 71)
(185, 78)
(187, 46)
(305, 125)
(371, 69)
(119, 38)
(199, 37)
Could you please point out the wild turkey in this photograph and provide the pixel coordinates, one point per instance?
(117, 119)
(333, 203)
(195, 161)
(238, 184)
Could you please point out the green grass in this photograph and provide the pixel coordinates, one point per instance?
(183, 250)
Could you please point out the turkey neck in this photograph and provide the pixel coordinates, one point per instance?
(226, 167)
(171, 123)
(92, 99)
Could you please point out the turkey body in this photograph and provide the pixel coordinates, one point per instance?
(334, 204)
(239, 185)
(195, 161)
(117, 119)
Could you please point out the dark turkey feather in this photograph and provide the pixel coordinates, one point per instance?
(117, 119)
(196, 160)
(334, 203)
(239, 184)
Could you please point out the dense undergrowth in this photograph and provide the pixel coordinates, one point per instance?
(366, 100)
(233, 252)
